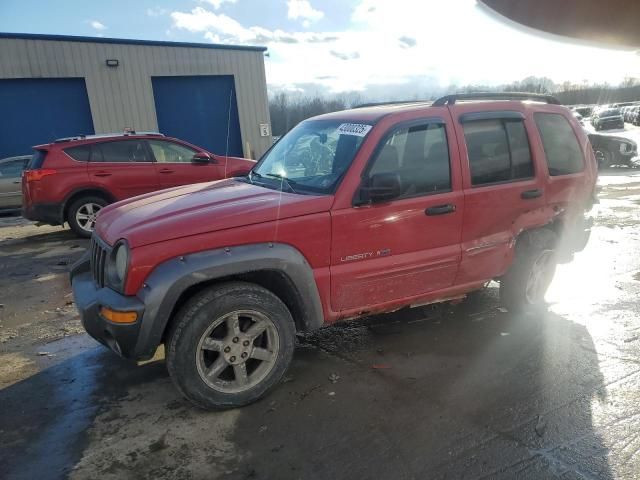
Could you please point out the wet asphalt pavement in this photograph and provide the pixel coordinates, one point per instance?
(453, 391)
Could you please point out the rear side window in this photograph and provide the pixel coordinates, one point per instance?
(120, 152)
(37, 159)
(561, 147)
(11, 169)
(498, 151)
(80, 153)
(420, 156)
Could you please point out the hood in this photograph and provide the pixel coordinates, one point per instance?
(200, 208)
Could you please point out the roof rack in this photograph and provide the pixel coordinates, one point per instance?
(395, 102)
(451, 99)
(106, 135)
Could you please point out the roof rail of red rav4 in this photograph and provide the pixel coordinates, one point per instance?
(106, 135)
(540, 97)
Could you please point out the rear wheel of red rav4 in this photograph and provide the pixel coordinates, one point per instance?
(527, 280)
(229, 345)
(82, 213)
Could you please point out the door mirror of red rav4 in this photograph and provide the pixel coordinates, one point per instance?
(203, 157)
(381, 187)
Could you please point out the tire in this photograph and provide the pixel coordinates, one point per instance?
(205, 352)
(535, 261)
(89, 205)
(603, 157)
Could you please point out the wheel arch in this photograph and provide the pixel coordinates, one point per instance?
(83, 192)
(279, 268)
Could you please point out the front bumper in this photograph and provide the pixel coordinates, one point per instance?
(89, 298)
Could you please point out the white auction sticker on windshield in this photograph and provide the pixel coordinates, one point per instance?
(357, 129)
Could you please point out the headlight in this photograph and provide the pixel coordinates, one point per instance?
(122, 261)
(117, 266)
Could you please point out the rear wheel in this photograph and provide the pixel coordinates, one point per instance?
(527, 280)
(82, 213)
(603, 157)
(229, 345)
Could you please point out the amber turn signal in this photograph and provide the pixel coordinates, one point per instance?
(118, 317)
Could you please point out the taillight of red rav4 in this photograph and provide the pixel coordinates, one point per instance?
(37, 175)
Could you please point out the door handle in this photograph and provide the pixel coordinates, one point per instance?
(17, 183)
(102, 174)
(529, 194)
(440, 210)
(166, 170)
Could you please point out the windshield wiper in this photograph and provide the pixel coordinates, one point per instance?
(284, 180)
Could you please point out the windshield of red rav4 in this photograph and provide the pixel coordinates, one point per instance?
(320, 239)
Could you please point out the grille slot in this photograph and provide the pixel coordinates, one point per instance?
(98, 259)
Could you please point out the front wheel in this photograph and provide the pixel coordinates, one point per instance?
(229, 345)
(527, 280)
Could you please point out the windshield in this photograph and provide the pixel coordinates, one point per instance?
(311, 158)
(610, 113)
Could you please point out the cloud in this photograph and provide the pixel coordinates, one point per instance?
(345, 56)
(220, 28)
(384, 52)
(302, 9)
(96, 25)
(156, 12)
(217, 3)
(407, 42)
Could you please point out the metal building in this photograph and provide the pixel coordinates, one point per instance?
(53, 86)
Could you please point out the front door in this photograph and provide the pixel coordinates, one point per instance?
(175, 166)
(123, 167)
(409, 246)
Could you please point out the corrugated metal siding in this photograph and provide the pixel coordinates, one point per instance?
(123, 97)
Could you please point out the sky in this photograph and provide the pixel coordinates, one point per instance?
(379, 48)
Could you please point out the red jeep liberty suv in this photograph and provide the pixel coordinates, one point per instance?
(72, 179)
(351, 213)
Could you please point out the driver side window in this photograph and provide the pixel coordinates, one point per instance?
(169, 152)
(419, 154)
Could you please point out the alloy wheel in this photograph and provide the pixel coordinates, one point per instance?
(237, 351)
(86, 216)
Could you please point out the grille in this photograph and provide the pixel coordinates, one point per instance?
(99, 252)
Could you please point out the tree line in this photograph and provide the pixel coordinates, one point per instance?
(287, 110)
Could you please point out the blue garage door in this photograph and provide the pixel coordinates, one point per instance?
(201, 110)
(39, 110)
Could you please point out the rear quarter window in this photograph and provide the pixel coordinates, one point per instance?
(80, 153)
(37, 160)
(561, 147)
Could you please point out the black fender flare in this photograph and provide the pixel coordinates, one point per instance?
(168, 281)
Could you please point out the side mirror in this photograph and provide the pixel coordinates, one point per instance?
(381, 187)
(202, 157)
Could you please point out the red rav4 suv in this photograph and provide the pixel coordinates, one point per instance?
(71, 179)
(350, 213)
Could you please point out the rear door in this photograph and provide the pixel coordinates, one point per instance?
(174, 164)
(569, 183)
(10, 183)
(122, 167)
(410, 246)
(503, 191)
